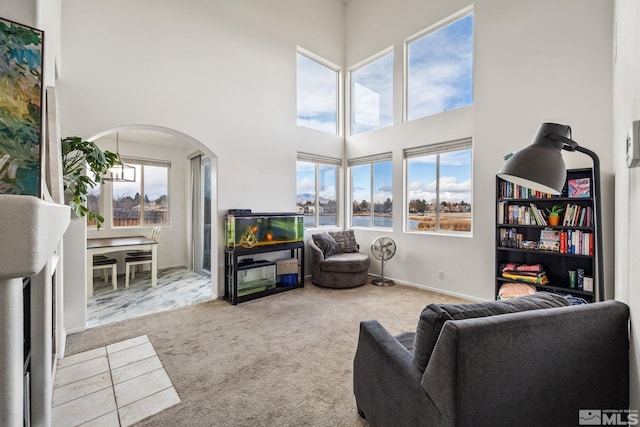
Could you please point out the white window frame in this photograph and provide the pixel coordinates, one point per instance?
(405, 69)
(368, 160)
(142, 163)
(435, 149)
(350, 94)
(318, 160)
(339, 131)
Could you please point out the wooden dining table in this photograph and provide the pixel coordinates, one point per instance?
(117, 244)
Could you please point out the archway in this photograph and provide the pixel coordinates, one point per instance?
(148, 143)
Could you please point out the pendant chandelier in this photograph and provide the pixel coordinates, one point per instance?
(120, 172)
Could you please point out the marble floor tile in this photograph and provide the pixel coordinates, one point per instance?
(108, 420)
(122, 345)
(81, 357)
(80, 371)
(177, 287)
(134, 386)
(135, 369)
(141, 386)
(148, 406)
(84, 409)
(74, 390)
(131, 355)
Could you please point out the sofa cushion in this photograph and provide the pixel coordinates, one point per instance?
(434, 316)
(346, 240)
(326, 243)
(346, 263)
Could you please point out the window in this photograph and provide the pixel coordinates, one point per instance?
(372, 95)
(372, 191)
(317, 89)
(93, 200)
(440, 69)
(316, 194)
(146, 201)
(439, 187)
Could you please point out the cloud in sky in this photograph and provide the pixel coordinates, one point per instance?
(317, 89)
(372, 95)
(450, 190)
(441, 69)
(306, 185)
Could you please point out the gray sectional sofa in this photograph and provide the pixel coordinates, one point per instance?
(530, 361)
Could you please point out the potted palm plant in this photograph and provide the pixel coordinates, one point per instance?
(83, 163)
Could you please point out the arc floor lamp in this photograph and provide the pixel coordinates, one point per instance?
(540, 166)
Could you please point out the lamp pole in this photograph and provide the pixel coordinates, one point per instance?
(597, 205)
(571, 145)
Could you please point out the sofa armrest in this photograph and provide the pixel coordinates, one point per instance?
(386, 381)
(316, 252)
(532, 368)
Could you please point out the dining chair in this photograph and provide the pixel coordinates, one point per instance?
(155, 236)
(101, 262)
(137, 258)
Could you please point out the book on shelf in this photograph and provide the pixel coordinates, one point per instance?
(579, 187)
(501, 206)
(509, 213)
(549, 240)
(509, 190)
(538, 215)
(577, 216)
(576, 242)
(587, 284)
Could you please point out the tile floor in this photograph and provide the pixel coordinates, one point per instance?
(177, 287)
(116, 385)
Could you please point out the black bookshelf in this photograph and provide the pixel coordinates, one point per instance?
(521, 217)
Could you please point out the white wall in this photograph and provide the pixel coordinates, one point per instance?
(626, 86)
(221, 72)
(534, 62)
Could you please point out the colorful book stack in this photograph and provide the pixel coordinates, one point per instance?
(577, 216)
(509, 190)
(509, 213)
(576, 242)
(534, 273)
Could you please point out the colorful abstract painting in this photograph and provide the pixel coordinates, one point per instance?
(20, 108)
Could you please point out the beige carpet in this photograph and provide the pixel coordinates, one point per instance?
(283, 360)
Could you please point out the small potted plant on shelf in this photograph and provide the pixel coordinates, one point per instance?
(554, 214)
(78, 158)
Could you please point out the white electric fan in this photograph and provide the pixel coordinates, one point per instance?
(383, 249)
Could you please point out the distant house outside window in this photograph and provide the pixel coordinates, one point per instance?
(317, 180)
(440, 69)
(317, 94)
(145, 201)
(372, 95)
(439, 187)
(371, 191)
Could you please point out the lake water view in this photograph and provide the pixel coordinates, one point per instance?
(359, 221)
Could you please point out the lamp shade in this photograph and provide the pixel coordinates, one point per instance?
(539, 166)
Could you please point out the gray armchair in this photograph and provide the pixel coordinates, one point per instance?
(466, 366)
(336, 261)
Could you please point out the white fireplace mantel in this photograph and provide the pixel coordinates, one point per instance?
(30, 231)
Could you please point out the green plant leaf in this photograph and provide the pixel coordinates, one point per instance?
(77, 154)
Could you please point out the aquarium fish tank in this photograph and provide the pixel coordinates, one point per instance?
(263, 229)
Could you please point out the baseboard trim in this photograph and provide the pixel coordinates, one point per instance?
(432, 289)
